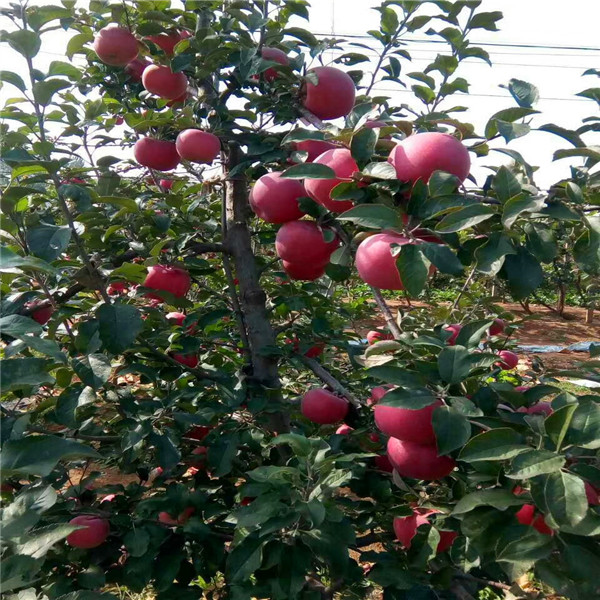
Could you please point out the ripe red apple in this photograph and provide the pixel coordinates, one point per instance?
(117, 287)
(541, 408)
(344, 429)
(40, 315)
(178, 318)
(332, 96)
(303, 271)
(454, 329)
(323, 407)
(405, 529)
(314, 148)
(377, 393)
(188, 360)
(408, 425)
(497, 327)
(198, 432)
(591, 493)
(420, 154)
(167, 41)
(377, 336)
(418, 461)
(95, 533)
(527, 516)
(156, 154)
(198, 146)
(169, 279)
(344, 166)
(275, 200)
(161, 81)
(509, 360)
(166, 519)
(135, 69)
(275, 55)
(382, 462)
(375, 263)
(199, 456)
(166, 184)
(302, 242)
(312, 352)
(115, 46)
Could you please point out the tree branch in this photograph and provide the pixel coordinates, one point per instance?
(387, 313)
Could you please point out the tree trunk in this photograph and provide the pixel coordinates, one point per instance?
(562, 296)
(259, 330)
(589, 315)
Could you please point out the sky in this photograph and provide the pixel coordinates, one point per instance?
(554, 67)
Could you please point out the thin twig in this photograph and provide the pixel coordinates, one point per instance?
(387, 314)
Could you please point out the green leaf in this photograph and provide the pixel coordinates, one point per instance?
(512, 131)
(496, 444)
(25, 42)
(442, 257)
(168, 453)
(136, 541)
(411, 398)
(128, 203)
(535, 462)
(222, 453)
(376, 216)
(43, 346)
(508, 115)
(11, 263)
(395, 375)
(465, 217)
(380, 170)
(300, 135)
(93, 370)
(490, 257)
(526, 94)
(26, 510)
(591, 152)
(299, 444)
(456, 362)
(38, 542)
(518, 205)
(48, 242)
(18, 325)
(563, 498)
(13, 78)
(584, 426)
(130, 272)
(77, 42)
(119, 326)
(522, 544)
(471, 333)
(58, 67)
(245, 558)
(44, 90)
(505, 184)
(21, 373)
(523, 273)
(18, 572)
(309, 171)
(72, 398)
(389, 20)
(363, 145)
(485, 20)
(413, 268)
(452, 430)
(567, 134)
(586, 250)
(499, 498)
(541, 242)
(442, 184)
(39, 454)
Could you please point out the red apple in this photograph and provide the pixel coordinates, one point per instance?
(176, 317)
(454, 329)
(405, 529)
(199, 456)
(332, 96)
(303, 271)
(161, 81)
(344, 166)
(377, 336)
(302, 242)
(323, 407)
(375, 263)
(95, 533)
(115, 46)
(156, 154)
(344, 429)
(377, 393)
(420, 154)
(166, 184)
(382, 462)
(312, 352)
(541, 408)
(527, 516)
(497, 327)
(198, 146)
(188, 360)
(274, 55)
(418, 461)
(405, 424)
(117, 288)
(198, 432)
(591, 493)
(166, 519)
(135, 69)
(275, 200)
(167, 41)
(169, 279)
(40, 315)
(314, 148)
(509, 360)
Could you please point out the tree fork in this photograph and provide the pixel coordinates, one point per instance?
(238, 240)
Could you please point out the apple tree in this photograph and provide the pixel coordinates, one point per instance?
(188, 403)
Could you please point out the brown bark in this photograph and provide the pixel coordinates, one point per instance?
(259, 330)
